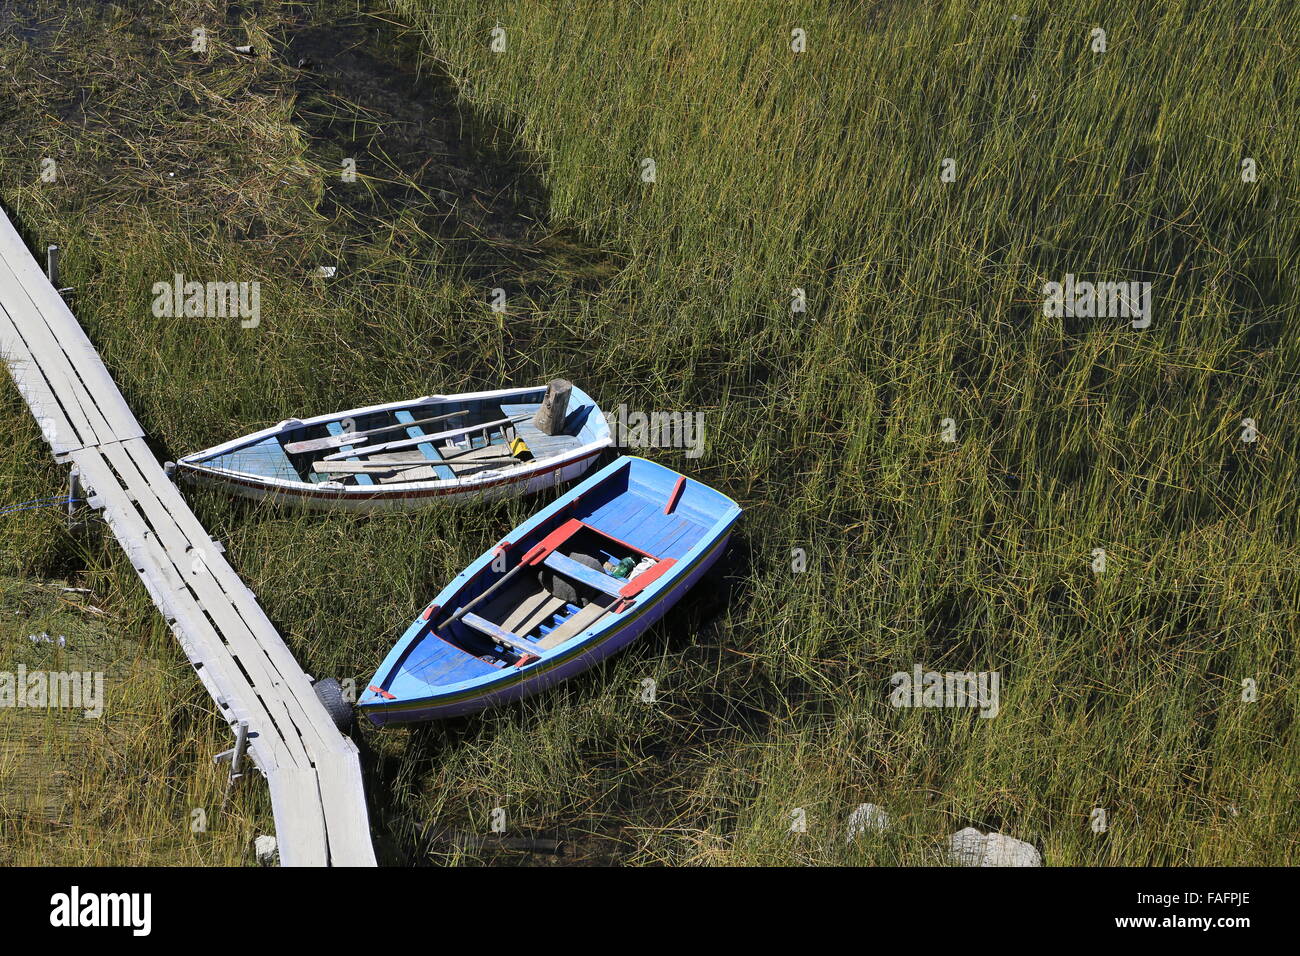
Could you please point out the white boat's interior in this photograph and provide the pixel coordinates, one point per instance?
(437, 438)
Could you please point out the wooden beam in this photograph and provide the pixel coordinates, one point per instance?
(502, 636)
(549, 419)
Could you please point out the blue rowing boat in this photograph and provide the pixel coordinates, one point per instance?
(566, 589)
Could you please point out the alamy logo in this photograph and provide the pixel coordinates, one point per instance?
(74, 690)
(75, 908)
(1098, 300)
(980, 689)
(660, 430)
(208, 300)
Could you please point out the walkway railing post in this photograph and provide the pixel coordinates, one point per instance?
(236, 757)
(74, 496)
(52, 254)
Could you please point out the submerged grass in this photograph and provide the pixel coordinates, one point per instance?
(774, 171)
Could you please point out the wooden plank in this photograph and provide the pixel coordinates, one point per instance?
(196, 564)
(426, 447)
(245, 603)
(52, 374)
(580, 572)
(336, 429)
(460, 454)
(623, 518)
(202, 644)
(364, 467)
(575, 624)
(54, 360)
(675, 494)
(26, 372)
(404, 419)
(69, 333)
(501, 635)
(533, 610)
(347, 824)
(299, 817)
(543, 445)
(661, 540)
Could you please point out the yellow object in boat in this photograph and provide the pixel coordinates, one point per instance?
(519, 448)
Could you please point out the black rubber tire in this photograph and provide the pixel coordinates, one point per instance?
(331, 695)
(561, 587)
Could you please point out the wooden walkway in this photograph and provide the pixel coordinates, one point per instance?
(313, 771)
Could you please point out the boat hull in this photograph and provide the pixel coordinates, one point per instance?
(407, 498)
(548, 673)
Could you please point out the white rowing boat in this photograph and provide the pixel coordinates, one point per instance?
(403, 455)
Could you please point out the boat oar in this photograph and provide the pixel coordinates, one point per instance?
(368, 467)
(462, 463)
(535, 556)
(437, 436)
(364, 467)
(347, 438)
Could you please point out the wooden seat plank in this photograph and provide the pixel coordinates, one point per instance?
(501, 635)
(345, 452)
(573, 626)
(426, 448)
(580, 572)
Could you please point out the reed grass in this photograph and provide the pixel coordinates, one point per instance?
(774, 171)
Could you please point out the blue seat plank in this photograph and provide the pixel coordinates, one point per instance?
(580, 572)
(426, 448)
(501, 635)
(336, 428)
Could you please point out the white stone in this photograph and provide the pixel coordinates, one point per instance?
(266, 849)
(867, 816)
(969, 847)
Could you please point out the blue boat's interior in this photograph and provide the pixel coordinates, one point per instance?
(631, 519)
(466, 436)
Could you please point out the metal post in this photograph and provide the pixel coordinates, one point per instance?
(74, 490)
(52, 268)
(241, 745)
(236, 757)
